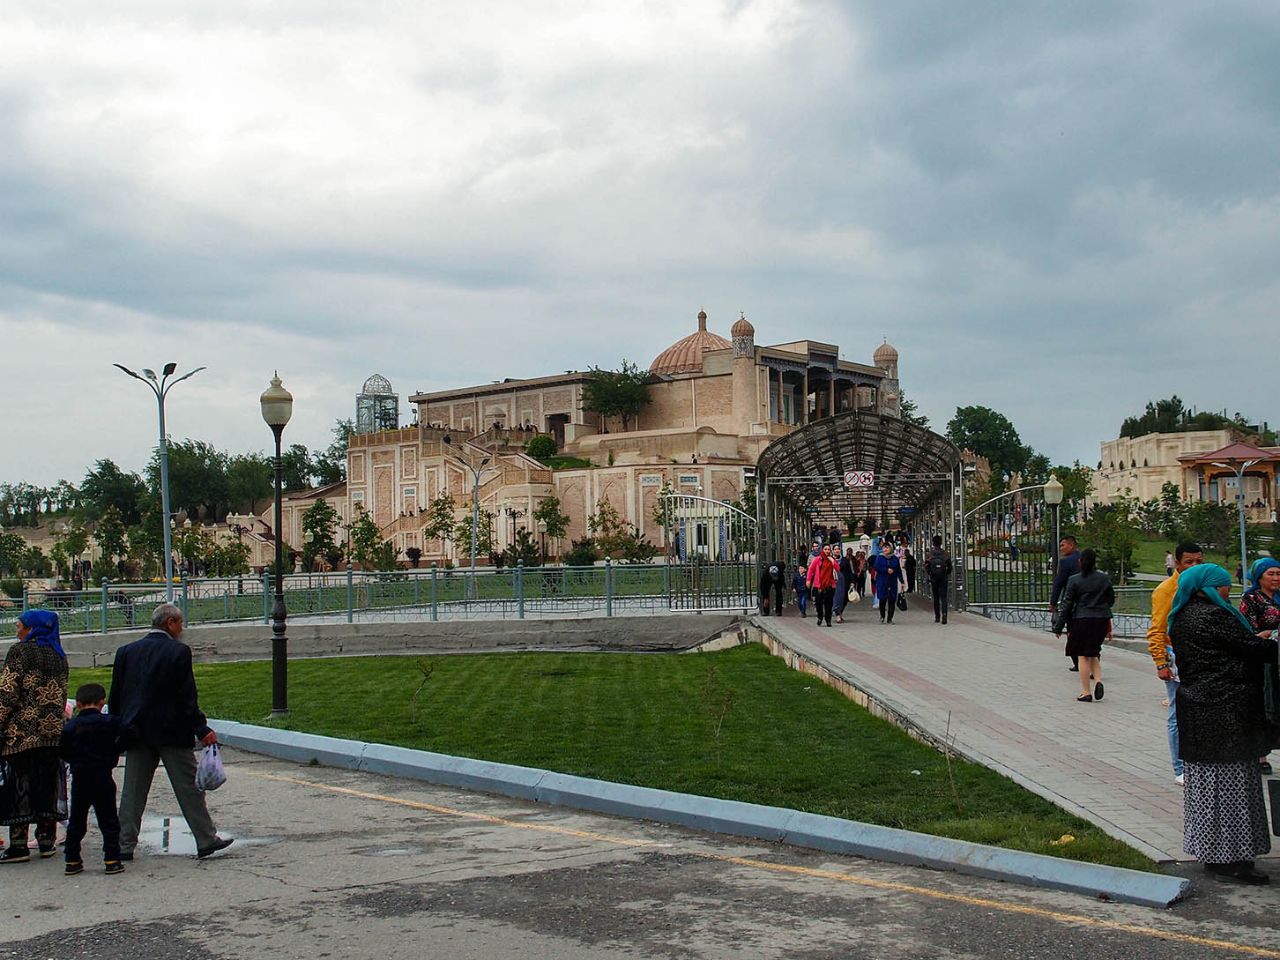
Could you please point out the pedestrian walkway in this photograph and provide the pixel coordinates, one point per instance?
(1006, 697)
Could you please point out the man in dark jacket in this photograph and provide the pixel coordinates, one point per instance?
(1068, 567)
(153, 692)
(937, 566)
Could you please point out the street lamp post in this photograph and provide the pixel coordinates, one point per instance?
(1053, 497)
(1239, 467)
(277, 408)
(161, 388)
(475, 506)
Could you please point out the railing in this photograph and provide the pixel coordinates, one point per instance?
(1131, 615)
(434, 593)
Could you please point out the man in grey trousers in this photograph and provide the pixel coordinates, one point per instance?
(153, 692)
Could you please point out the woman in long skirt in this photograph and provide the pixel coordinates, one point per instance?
(33, 694)
(1222, 726)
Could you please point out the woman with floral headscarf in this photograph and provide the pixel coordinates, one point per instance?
(33, 696)
(1222, 725)
(1261, 607)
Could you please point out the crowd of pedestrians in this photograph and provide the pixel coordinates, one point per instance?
(838, 572)
(150, 715)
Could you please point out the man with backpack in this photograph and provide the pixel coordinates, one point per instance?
(938, 568)
(773, 580)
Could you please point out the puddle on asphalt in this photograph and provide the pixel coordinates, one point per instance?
(388, 851)
(170, 835)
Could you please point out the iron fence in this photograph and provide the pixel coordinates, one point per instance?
(427, 594)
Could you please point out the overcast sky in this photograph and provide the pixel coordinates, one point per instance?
(1060, 210)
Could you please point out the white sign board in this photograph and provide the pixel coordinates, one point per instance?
(860, 478)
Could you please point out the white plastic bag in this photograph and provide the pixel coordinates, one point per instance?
(209, 772)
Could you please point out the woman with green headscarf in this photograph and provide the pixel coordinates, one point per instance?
(1221, 725)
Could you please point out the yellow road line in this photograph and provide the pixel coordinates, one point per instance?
(750, 862)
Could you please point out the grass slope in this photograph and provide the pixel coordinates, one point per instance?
(785, 739)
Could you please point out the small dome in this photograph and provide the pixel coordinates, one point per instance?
(377, 386)
(685, 355)
(885, 355)
(743, 328)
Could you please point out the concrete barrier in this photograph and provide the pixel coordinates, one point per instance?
(666, 634)
(731, 817)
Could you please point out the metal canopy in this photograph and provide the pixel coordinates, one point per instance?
(911, 465)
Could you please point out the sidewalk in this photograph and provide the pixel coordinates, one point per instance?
(1010, 701)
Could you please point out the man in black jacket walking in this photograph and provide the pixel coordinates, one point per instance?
(153, 692)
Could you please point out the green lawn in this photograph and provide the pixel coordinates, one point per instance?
(786, 739)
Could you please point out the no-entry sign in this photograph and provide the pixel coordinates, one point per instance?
(860, 478)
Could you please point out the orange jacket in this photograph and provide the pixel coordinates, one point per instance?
(1158, 632)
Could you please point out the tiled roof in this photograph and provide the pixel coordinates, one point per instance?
(685, 355)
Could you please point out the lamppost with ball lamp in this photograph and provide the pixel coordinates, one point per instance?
(277, 408)
(1053, 497)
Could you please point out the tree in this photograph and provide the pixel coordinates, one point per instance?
(1111, 531)
(319, 531)
(542, 447)
(229, 558)
(553, 518)
(386, 556)
(365, 538)
(617, 393)
(34, 563)
(1173, 511)
(989, 434)
(462, 535)
(12, 547)
(1036, 470)
(582, 553)
(106, 485)
(194, 545)
(296, 467)
(616, 538)
(523, 550)
(74, 540)
(415, 556)
(1214, 525)
(330, 464)
(441, 517)
(910, 412)
(198, 483)
(110, 534)
(250, 480)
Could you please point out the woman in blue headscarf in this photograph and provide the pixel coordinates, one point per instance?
(1222, 725)
(33, 697)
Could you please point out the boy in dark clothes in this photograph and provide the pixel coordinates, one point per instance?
(91, 747)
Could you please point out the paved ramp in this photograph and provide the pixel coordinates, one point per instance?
(1009, 701)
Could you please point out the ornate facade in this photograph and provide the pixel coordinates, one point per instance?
(715, 404)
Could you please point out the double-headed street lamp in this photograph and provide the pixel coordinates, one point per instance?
(277, 408)
(161, 388)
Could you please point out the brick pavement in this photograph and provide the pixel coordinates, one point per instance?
(1009, 700)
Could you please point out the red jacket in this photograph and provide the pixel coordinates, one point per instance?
(822, 573)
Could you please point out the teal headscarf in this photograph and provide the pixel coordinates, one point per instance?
(1203, 578)
(1258, 569)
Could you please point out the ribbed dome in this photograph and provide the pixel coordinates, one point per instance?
(885, 354)
(685, 356)
(743, 328)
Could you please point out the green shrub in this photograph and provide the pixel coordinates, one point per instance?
(541, 447)
(582, 554)
(11, 588)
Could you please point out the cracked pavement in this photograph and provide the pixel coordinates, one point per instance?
(332, 863)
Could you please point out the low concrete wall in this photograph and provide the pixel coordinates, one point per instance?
(617, 634)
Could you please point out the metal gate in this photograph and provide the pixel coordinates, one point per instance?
(710, 553)
(1012, 549)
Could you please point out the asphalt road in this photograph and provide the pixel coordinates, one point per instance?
(329, 863)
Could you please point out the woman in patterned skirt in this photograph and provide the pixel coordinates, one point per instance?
(1221, 725)
(33, 696)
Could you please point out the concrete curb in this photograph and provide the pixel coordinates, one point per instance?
(730, 817)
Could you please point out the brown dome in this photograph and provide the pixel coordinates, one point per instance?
(743, 328)
(885, 355)
(685, 356)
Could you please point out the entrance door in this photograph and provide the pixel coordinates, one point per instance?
(710, 554)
